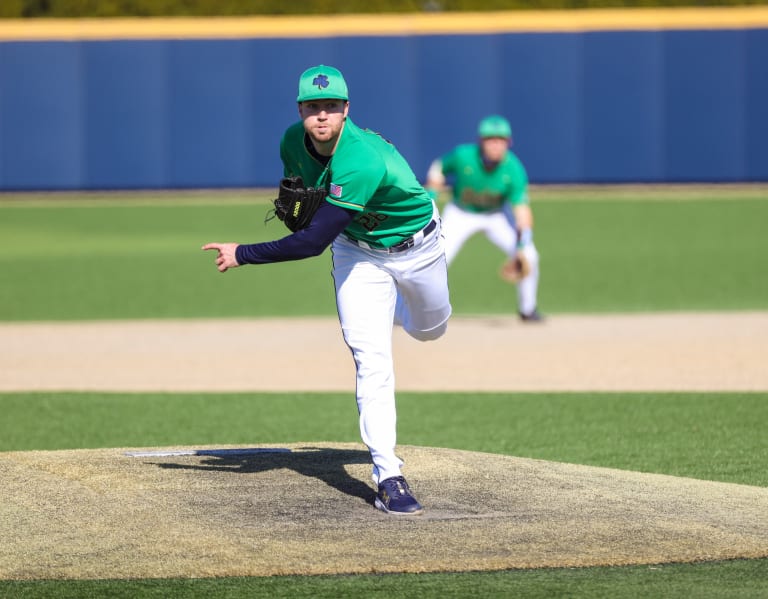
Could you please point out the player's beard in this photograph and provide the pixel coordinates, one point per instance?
(324, 138)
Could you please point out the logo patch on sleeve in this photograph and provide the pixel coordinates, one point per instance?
(335, 190)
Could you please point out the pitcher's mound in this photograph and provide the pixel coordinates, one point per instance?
(308, 509)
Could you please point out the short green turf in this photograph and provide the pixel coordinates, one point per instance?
(713, 436)
(122, 258)
(743, 579)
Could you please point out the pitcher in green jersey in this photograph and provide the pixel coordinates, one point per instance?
(489, 194)
(388, 258)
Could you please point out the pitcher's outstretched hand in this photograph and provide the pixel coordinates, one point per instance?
(225, 258)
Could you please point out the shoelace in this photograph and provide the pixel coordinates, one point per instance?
(398, 485)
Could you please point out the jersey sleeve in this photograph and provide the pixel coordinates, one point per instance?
(292, 149)
(518, 189)
(354, 183)
(449, 162)
(284, 157)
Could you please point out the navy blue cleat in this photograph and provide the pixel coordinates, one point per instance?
(534, 316)
(394, 497)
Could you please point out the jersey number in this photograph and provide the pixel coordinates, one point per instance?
(371, 220)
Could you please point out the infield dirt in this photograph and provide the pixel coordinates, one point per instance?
(622, 352)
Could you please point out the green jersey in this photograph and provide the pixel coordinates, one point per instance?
(368, 175)
(478, 189)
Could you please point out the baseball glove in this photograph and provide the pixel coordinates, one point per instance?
(515, 269)
(295, 204)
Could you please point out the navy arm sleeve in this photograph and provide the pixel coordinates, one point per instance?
(329, 221)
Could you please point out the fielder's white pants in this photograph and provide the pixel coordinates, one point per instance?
(459, 225)
(375, 289)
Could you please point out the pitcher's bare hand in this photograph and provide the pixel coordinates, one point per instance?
(225, 258)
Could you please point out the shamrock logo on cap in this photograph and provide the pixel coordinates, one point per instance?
(321, 81)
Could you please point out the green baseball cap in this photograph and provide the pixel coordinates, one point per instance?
(494, 126)
(322, 82)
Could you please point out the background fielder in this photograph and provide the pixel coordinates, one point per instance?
(490, 195)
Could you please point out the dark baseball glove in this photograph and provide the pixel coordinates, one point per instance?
(295, 204)
(515, 269)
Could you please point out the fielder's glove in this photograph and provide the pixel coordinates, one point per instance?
(515, 269)
(295, 204)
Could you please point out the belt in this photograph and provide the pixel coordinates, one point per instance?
(406, 244)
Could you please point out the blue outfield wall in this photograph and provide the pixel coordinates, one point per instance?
(586, 107)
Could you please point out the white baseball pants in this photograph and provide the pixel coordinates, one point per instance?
(374, 290)
(459, 225)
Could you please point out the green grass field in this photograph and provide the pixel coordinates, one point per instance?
(123, 258)
(138, 257)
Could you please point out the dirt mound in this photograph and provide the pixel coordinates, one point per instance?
(307, 509)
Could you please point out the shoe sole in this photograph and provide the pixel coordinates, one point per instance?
(380, 505)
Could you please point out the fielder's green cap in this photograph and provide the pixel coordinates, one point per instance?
(320, 83)
(494, 126)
